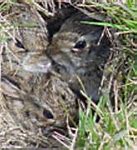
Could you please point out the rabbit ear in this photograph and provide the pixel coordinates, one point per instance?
(9, 87)
(36, 63)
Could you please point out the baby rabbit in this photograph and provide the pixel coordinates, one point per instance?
(80, 51)
(77, 52)
(46, 107)
(27, 34)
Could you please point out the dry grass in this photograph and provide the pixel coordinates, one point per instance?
(122, 131)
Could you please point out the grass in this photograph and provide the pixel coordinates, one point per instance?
(117, 128)
(124, 16)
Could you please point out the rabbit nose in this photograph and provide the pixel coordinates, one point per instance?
(38, 67)
(37, 64)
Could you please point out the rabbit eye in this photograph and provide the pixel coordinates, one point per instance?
(27, 113)
(80, 44)
(47, 114)
(19, 44)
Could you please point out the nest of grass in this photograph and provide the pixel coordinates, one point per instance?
(114, 85)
